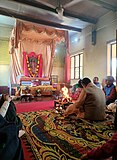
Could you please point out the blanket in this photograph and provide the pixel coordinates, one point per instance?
(54, 137)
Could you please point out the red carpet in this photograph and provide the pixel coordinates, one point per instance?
(29, 107)
(28, 153)
(34, 106)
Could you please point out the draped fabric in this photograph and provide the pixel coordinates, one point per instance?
(67, 68)
(67, 60)
(28, 37)
(16, 65)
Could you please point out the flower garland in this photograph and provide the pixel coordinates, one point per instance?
(29, 68)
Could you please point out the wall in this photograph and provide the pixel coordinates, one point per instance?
(4, 63)
(6, 25)
(59, 62)
(95, 56)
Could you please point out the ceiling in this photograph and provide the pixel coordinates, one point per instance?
(77, 14)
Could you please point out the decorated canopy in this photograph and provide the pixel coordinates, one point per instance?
(29, 37)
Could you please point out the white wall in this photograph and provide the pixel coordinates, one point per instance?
(95, 56)
(4, 75)
(59, 62)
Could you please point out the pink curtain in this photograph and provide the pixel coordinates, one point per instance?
(67, 60)
(67, 68)
(25, 63)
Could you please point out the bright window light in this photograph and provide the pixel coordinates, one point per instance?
(76, 39)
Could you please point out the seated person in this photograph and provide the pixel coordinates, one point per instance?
(108, 149)
(76, 90)
(8, 111)
(96, 82)
(109, 90)
(91, 103)
(10, 143)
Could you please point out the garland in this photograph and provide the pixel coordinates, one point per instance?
(29, 68)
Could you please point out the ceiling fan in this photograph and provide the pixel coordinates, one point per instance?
(60, 10)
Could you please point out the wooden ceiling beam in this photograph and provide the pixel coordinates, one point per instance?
(65, 13)
(18, 15)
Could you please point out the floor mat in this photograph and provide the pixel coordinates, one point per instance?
(53, 137)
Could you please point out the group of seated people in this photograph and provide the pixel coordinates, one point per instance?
(108, 87)
(91, 105)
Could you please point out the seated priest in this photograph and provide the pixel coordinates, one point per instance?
(91, 103)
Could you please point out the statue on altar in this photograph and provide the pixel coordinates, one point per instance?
(33, 65)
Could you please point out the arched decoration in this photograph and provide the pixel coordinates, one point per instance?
(32, 64)
(30, 31)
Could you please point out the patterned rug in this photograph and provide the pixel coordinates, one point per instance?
(53, 137)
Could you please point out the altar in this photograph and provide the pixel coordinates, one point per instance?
(45, 90)
(34, 81)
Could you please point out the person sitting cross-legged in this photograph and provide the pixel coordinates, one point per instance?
(91, 103)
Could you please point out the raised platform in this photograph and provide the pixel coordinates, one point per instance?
(30, 80)
(45, 90)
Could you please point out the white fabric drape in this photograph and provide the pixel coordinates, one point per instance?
(16, 66)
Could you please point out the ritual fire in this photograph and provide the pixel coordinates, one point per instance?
(66, 98)
(64, 101)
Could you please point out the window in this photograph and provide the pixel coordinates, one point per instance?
(111, 59)
(77, 66)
